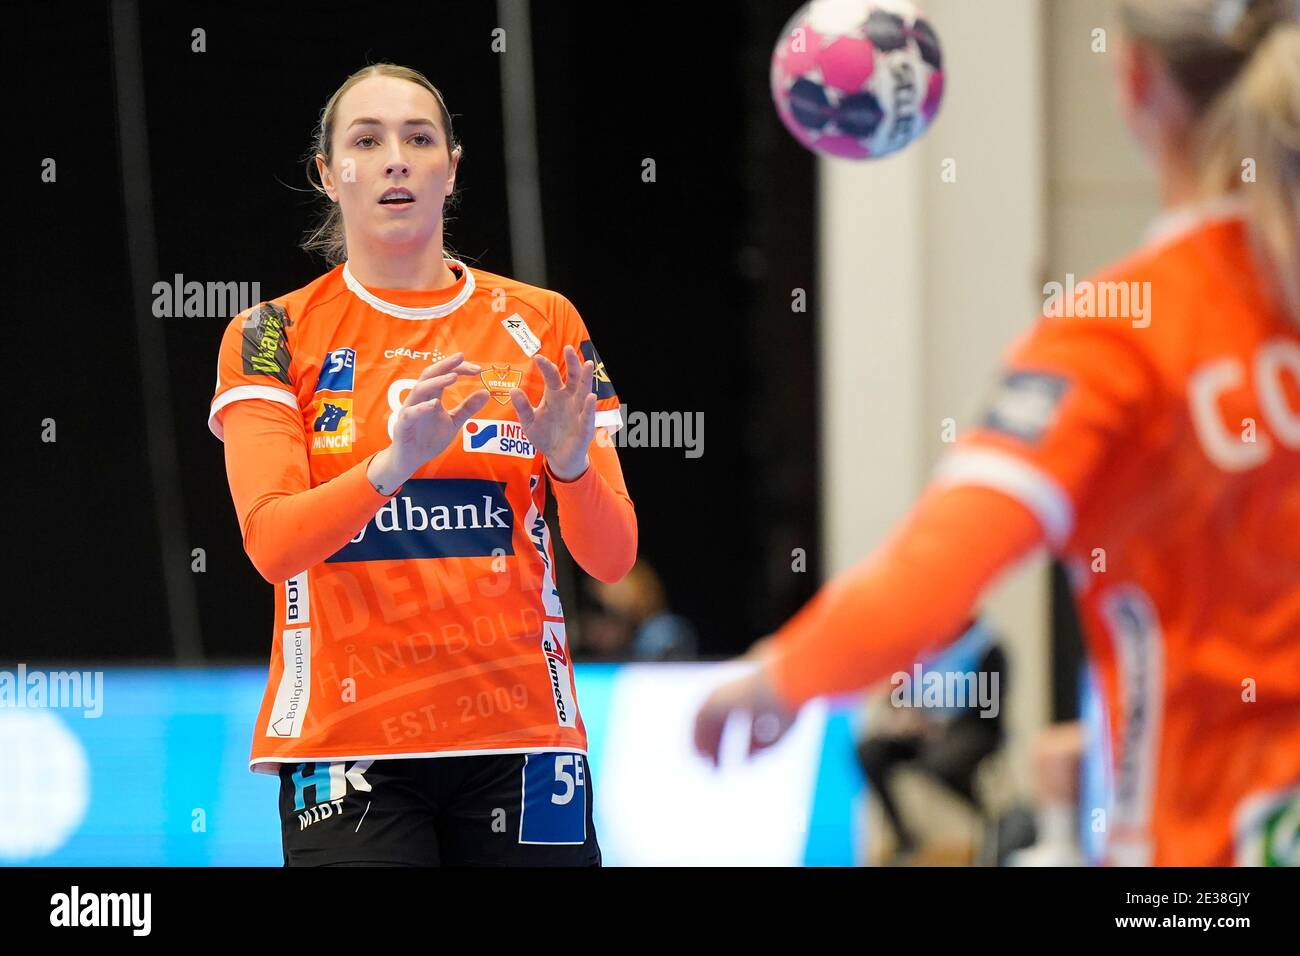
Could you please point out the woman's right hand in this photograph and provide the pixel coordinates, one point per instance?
(422, 427)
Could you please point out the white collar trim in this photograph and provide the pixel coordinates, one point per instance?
(406, 311)
(1178, 221)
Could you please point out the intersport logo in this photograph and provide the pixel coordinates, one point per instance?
(437, 518)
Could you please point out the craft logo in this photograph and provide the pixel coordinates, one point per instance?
(426, 355)
(500, 379)
(496, 438)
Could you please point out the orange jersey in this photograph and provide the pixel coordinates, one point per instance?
(429, 623)
(1160, 450)
(1148, 429)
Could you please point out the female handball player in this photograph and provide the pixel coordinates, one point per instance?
(390, 429)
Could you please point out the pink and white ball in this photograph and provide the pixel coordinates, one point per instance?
(857, 79)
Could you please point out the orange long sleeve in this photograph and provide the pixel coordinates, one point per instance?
(286, 525)
(912, 595)
(597, 519)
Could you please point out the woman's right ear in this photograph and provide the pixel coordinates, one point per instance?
(326, 178)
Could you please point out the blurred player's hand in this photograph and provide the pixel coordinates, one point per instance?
(564, 424)
(753, 698)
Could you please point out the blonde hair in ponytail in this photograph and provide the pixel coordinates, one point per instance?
(1238, 63)
(1258, 118)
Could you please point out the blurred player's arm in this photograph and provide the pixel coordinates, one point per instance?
(597, 518)
(288, 526)
(1074, 393)
(914, 593)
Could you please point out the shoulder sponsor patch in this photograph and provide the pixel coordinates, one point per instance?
(266, 342)
(521, 333)
(601, 384)
(333, 430)
(1025, 404)
(338, 371)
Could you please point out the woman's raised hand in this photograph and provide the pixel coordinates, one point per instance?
(564, 424)
(423, 427)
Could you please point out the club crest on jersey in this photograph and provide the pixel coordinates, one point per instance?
(493, 437)
(500, 379)
(521, 333)
(331, 428)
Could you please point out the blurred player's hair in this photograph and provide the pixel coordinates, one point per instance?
(327, 236)
(1238, 63)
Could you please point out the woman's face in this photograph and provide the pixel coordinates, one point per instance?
(388, 135)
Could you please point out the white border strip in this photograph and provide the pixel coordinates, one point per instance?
(266, 764)
(242, 393)
(1132, 624)
(410, 312)
(1013, 476)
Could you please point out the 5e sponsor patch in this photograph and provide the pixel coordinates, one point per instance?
(337, 372)
(554, 809)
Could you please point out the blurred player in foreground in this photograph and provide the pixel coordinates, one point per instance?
(1158, 455)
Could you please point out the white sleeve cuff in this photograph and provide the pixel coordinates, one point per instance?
(243, 392)
(1031, 486)
(611, 419)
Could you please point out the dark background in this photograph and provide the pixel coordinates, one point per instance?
(685, 283)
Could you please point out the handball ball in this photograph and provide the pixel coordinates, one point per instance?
(857, 79)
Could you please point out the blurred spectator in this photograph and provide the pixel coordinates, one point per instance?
(633, 621)
(946, 743)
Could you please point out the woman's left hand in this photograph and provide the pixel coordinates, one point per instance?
(564, 424)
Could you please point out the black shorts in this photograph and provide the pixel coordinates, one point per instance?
(482, 810)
